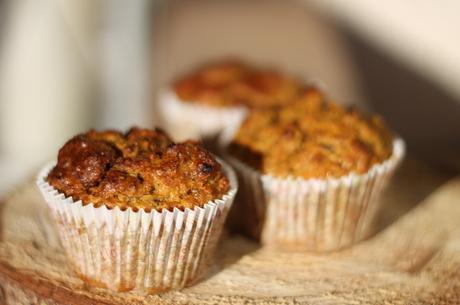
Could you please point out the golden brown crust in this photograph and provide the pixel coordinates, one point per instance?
(234, 83)
(312, 138)
(141, 169)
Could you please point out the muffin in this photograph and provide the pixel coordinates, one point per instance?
(216, 97)
(136, 210)
(311, 173)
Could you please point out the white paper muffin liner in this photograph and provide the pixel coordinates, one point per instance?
(145, 251)
(187, 120)
(313, 214)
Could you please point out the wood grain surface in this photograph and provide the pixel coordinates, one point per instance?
(413, 259)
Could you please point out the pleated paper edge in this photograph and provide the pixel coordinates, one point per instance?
(266, 187)
(209, 218)
(185, 120)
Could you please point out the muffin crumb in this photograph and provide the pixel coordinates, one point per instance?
(312, 137)
(234, 83)
(142, 169)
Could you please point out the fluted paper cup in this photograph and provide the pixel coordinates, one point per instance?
(313, 214)
(137, 250)
(188, 120)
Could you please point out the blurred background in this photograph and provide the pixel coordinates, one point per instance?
(67, 66)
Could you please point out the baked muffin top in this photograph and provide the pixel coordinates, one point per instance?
(233, 83)
(312, 137)
(140, 169)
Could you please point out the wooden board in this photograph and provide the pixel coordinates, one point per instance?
(415, 259)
